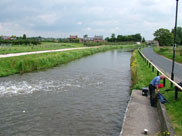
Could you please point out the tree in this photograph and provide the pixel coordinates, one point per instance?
(137, 37)
(178, 35)
(77, 40)
(113, 38)
(13, 36)
(143, 39)
(85, 36)
(24, 36)
(164, 37)
(107, 38)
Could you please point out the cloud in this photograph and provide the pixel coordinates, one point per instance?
(79, 23)
(49, 19)
(52, 18)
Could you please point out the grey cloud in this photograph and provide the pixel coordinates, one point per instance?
(102, 17)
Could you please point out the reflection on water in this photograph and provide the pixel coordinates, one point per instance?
(85, 97)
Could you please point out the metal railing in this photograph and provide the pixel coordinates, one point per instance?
(177, 87)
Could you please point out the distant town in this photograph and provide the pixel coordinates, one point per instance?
(72, 38)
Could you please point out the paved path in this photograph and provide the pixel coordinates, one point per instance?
(37, 52)
(139, 116)
(164, 64)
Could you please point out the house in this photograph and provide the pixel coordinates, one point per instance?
(5, 37)
(138, 43)
(93, 39)
(88, 39)
(73, 37)
(98, 38)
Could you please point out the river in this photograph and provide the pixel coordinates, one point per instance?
(86, 97)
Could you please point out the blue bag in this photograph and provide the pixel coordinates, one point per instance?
(161, 98)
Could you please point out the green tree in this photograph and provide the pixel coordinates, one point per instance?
(13, 36)
(85, 36)
(113, 38)
(178, 35)
(164, 37)
(77, 40)
(137, 37)
(24, 36)
(107, 38)
(143, 39)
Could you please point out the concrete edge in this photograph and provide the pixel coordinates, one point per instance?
(164, 119)
(126, 112)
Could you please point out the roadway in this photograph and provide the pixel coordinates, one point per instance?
(164, 64)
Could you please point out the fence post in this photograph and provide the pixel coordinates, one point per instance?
(149, 65)
(152, 68)
(164, 82)
(157, 73)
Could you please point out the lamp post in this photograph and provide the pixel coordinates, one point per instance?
(174, 47)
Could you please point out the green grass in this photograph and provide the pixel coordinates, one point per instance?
(43, 46)
(28, 63)
(143, 76)
(168, 52)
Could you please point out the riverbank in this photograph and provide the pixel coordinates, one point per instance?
(142, 75)
(29, 63)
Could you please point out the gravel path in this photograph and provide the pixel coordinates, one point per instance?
(37, 52)
(164, 64)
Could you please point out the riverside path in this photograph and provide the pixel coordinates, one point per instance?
(164, 64)
(38, 52)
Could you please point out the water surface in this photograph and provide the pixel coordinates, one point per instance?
(86, 97)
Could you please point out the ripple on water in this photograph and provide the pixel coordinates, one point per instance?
(12, 88)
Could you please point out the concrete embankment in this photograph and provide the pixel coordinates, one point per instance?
(139, 116)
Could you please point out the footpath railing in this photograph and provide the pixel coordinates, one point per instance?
(150, 64)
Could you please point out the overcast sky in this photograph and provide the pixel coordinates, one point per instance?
(60, 18)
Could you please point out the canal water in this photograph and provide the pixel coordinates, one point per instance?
(87, 97)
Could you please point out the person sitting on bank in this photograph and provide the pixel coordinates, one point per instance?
(154, 84)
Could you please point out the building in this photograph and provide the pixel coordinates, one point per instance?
(93, 39)
(5, 37)
(98, 38)
(73, 37)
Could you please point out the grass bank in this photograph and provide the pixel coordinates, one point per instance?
(141, 77)
(44, 46)
(28, 63)
(168, 52)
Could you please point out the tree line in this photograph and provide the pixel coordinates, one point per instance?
(125, 38)
(20, 41)
(165, 37)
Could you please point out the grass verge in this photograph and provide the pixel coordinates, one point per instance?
(43, 46)
(141, 77)
(28, 63)
(167, 51)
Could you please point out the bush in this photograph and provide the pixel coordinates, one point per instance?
(20, 42)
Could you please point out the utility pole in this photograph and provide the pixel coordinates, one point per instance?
(174, 47)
